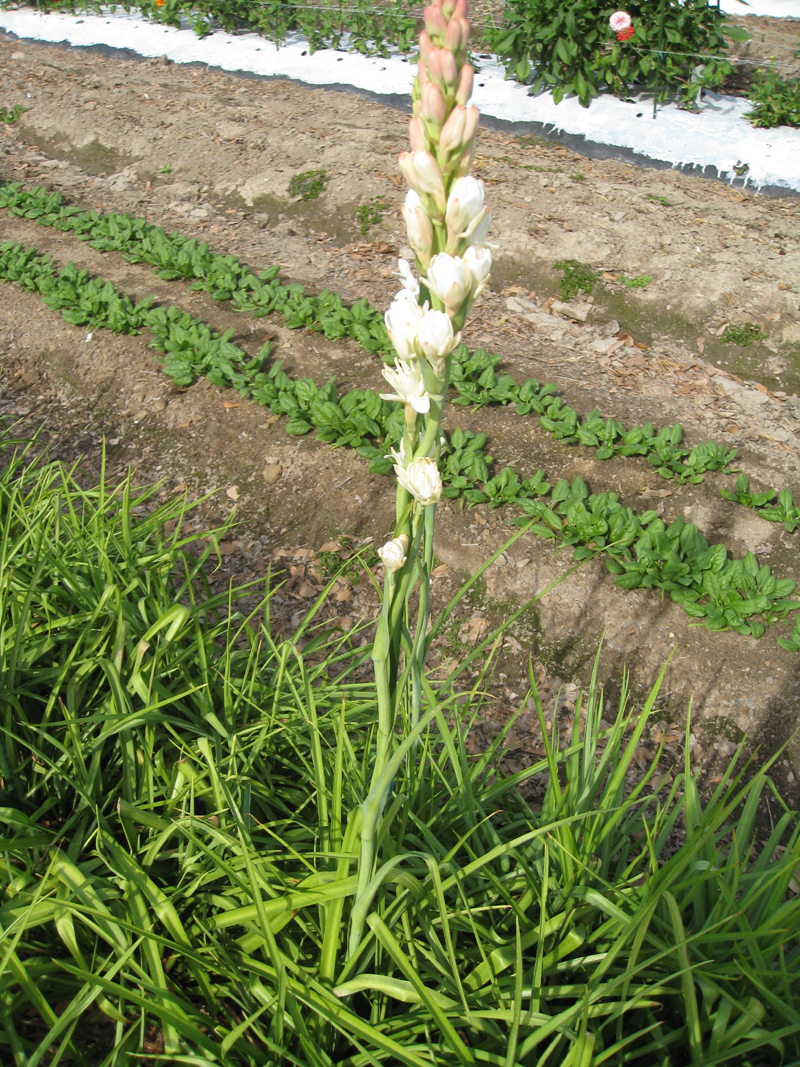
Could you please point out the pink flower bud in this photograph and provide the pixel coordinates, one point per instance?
(425, 46)
(448, 7)
(416, 134)
(460, 10)
(452, 39)
(449, 69)
(420, 230)
(433, 106)
(452, 133)
(464, 32)
(435, 22)
(434, 66)
(473, 115)
(465, 82)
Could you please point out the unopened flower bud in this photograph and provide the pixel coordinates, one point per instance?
(419, 228)
(452, 135)
(478, 259)
(421, 479)
(436, 339)
(423, 175)
(393, 553)
(460, 10)
(416, 134)
(435, 21)
(433, 67)
(433, 106)
(401, 321)
(406, 380)
(452, 39)
(425, 46)
(465, 82)
(449, 70)
(449, 280)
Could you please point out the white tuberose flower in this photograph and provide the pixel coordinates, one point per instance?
(401, 321)
(406, 380)
(436, 339)
(421, 478)
(407, 278)
(479, 260)
(449, 279)
(393, 553)
(463, 204)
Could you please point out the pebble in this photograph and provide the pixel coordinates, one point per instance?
(271, 473)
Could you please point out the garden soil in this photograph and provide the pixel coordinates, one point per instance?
(212, 155)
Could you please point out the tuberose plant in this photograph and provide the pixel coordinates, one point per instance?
(447, 224)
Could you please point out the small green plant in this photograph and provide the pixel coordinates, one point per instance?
(639, 282)
(349, 560)
(744, 334)
(577, 278)
(579, 176)
(309, 184)
(660, 200)
(776, 100)
(166, 169)
(9, 116)
(370, 214)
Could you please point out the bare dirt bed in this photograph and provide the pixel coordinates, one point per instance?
(212, 155)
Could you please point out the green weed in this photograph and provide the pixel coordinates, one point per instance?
(577, 277)
(9, 116)
(641, 281)
(660, 200)
(309, 184)
(370, 214)
(744, 334)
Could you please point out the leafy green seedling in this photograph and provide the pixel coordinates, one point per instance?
(776, 100)
(309, 184)
(9, 116)
(166, 169)
(639, 282)
(660, 200)
(579, 176)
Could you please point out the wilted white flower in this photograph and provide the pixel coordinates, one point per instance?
(436, 339)
(463, 204)
(393, 553)
(450, 280)
(406, 380)
(407, 277)
(479, 260)
(402, 320)
(421, 478)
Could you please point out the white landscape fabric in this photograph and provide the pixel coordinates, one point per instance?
(719, 136)
(780, 9)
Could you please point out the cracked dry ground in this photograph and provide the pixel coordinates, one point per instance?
(105, 130)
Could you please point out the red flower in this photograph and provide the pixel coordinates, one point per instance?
(623, 35)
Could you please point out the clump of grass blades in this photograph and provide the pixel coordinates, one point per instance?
(180, 800)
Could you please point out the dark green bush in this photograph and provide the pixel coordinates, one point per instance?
(570, 47)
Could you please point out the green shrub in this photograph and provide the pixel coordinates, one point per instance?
(570, 48)
(776, 100)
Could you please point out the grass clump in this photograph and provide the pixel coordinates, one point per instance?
(577, 277)
(776, 99)
(641, 281)
(181, 794)
(744, 334)
(370, 214)
(309, 184)
(659, 200)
